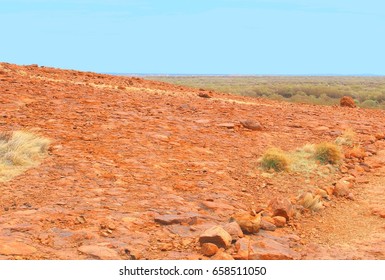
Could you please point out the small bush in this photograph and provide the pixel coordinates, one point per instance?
(275, 159)
(327, 153)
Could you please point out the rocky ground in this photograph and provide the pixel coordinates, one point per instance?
(145, 170)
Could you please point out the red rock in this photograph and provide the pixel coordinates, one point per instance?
(279, 221)
(342, 188)
(234, 230)
(100, 252)
(221, 255)
(380, 136)
(216, 235)
(125, 155)
(379, 212)
(362, 180)
(247, 222)
(175, 219)
(227, 125)
(217, 205)
(16, 248)
(132, 253)
(350, 179)
(281, 207)
(350, 196)
(242, 249)
(263, 248)
(204, 95)
(347, 101)
(252, 125)
(209, 249)
(321, 128)
(268, 225)
(355, 152)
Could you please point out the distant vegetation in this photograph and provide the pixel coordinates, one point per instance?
(368, 92)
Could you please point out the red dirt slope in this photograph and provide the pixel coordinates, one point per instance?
(128, 152)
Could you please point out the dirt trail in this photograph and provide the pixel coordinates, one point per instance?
(351, 229)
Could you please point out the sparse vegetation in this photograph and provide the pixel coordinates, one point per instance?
(19, 151)
(327, 153)
(368, 92)
(311, 202)
(302, 159)
(348, 138)
(275, 159)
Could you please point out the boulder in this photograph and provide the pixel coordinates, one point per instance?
(242, 249)
(281, 207)
(216, 235)
(234, 230)
(347, 101)
(252, 125)
(248, 223)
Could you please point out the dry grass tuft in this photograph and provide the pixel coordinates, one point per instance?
(327, 153)
(348, 138)
(275, 159)
(302, 159)
(19, 151)
(311, 202)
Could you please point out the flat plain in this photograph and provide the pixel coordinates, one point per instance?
(367, 91)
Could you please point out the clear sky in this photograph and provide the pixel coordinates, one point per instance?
(197, 36)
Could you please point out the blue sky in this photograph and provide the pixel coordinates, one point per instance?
(197, 36)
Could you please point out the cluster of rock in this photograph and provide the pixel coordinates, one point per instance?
(249, 236)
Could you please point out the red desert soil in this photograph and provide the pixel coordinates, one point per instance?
(140, 169)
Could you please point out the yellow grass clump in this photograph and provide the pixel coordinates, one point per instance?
(327, 153)
(311, 202)
(348, 138)
(275, 159)
(19, 151)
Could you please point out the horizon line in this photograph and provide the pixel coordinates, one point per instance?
(241, 75)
